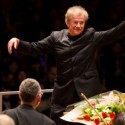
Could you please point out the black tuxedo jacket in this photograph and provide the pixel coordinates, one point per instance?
(26, 115)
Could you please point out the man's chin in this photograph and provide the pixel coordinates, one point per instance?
(77, 33)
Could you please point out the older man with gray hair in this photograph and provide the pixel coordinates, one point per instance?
(25, 114)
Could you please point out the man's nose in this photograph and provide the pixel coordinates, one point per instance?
(78, 25)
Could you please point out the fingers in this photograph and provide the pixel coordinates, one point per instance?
(15, 45)
(12, 43)
(9, 47)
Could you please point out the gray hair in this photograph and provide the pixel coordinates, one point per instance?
(6, 120)
(76, 10)
(29, 89)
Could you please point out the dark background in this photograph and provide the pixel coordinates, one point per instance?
(32, 20)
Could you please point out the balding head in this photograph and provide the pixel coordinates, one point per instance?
(6, 120)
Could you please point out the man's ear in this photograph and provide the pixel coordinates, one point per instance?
(38, 100)
(66, 21)
(19, 95)
(39, 97)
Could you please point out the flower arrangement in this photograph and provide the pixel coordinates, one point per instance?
(97, 110)
(107, 112)
(103, 111)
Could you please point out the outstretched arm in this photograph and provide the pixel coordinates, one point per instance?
(112, 35)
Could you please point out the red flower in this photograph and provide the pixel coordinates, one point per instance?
(93, 104)
(108, 124)
(87, 117)
(97, 121)
(113, 120)
(104, 114)
(112, 115)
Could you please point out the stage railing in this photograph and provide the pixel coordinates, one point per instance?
(16, 92)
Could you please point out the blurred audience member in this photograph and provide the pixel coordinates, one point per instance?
(44, 106)
(119, 119)
(6, 120)
(115, 68)
(6, 100)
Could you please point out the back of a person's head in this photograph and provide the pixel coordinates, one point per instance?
(119, 119)
(29, 89)
(6, 120)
